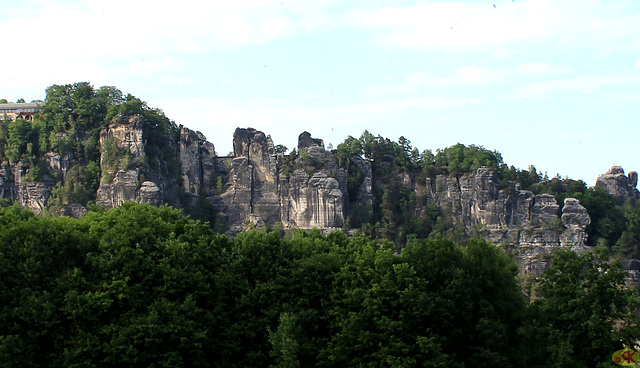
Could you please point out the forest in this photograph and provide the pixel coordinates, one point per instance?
(146, 286)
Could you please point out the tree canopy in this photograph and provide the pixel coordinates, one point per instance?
(146, 286)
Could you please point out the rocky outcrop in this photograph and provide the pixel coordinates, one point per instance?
(364, 197)
(253, 180)
(315, 201)
(121, 147)
(313, 146)
(57, 165)
(34, 195)
(7, 186)
(123, 188)
(190, 165)
(311, 190)
(314, 188)
(265, 190)
(574, 215)
(16, 186)
(619, 185)
(31, 194)
(535, 246)
(150, 193)
(528, 224)
(134, 176)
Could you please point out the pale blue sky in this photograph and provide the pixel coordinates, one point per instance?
(554, 83)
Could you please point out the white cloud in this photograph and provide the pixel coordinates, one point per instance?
(479, 75)
(155, 66)
(502, 53)
(464, 25)
(97, 40)
(390, 90)
(584, 84)
(539, 69)
(414, 82)
(424, 79)
(468, 74)
(458, 24)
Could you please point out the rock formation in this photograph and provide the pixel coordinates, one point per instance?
(619, 185)
(310, 189)
(30, 194)
(264, 190)
(528, 224)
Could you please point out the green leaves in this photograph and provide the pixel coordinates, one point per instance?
(582, 309)
(145, 286)
(120, 287)
(426, 306)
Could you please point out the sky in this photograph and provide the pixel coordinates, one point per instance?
(549, 83)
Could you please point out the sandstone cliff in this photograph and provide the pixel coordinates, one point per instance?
(126, 175)
(264, 189)
(530, 225)
(619, 185)
(311, 188)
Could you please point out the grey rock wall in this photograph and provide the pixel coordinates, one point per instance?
(619, 185)
(260, 192)
(309, 190)
(530, 225)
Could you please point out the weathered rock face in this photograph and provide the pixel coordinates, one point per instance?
(133, 179)
(34, 195)
(190, 167)
(7, 187)
(127, 134)
(120, 179)
(315, 201)
(307, 190)
(313, 146)
(123, 188)
(57, 165)
(253, 179)
(574, 215)
(150, 193)
(261, 191)
(536, 245)
(15, 186)
(29, 194)
(619, 185)
(364, 198)
(531, 225)
(208, 166)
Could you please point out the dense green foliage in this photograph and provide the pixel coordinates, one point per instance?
(388, 156)
(144, 286)
(582, 310)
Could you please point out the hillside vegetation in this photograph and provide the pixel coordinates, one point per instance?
(145, 286)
